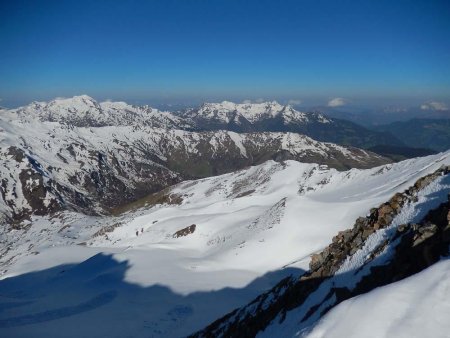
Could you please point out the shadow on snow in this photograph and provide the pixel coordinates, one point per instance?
(93, 299)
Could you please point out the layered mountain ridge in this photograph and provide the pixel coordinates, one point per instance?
(272, 116)
(84, 111)
(76, 153)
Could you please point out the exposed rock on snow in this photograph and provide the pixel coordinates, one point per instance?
(185, 231)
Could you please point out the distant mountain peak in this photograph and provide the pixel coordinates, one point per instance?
(78, 103)
(227, 111)
(84, 111)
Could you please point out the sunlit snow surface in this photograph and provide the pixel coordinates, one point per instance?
(252, 228)
(414, 307)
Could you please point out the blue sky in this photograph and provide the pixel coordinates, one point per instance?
(365, 52)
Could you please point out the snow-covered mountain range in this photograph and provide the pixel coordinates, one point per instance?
(84, 111)
(94, 157)
(274, 117)
(250, 113)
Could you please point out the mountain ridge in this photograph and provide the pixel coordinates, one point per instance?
(46, 166)
(84, 111)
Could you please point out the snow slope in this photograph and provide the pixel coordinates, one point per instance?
(252, 227)
(414, 307)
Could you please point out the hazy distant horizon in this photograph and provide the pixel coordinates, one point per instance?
(389, 105)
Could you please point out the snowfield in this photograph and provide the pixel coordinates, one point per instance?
(92, 276)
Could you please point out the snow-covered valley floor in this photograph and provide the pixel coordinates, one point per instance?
(252, 228)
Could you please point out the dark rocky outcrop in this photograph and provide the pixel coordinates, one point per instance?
(347, 242)
(185, 231)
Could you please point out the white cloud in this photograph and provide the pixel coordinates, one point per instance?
(259, 100)
(336, 102)
(434, 105)
(294, 102)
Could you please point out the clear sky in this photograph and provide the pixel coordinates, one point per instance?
(198, 50)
